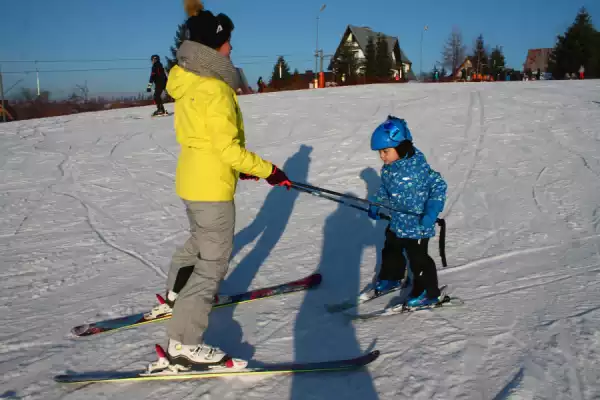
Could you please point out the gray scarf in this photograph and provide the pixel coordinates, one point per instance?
(204, 61)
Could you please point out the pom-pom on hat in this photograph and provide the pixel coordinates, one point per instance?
(205, 28)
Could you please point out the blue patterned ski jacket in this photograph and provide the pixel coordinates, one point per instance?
(407, 185)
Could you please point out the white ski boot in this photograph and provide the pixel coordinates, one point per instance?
(164, 307)
(193, 358)
(200, 357)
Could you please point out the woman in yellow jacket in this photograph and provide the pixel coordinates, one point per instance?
(210, 130)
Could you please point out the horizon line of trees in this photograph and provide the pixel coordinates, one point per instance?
(578, 46)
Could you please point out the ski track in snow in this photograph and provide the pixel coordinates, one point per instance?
(90, 220)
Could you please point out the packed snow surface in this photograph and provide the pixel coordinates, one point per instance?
(90, 219)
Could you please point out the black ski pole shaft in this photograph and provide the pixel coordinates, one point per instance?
(324, 196)
(319, 189)
(346, 196)
(323, 190)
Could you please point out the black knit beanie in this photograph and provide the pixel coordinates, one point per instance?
(209, 30)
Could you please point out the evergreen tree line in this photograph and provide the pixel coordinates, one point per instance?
(578, 46)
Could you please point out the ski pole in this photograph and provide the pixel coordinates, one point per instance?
(347, 196)
(324, 196)
(321, 192)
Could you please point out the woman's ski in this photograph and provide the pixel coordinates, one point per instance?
(157, 314)
(263, 369)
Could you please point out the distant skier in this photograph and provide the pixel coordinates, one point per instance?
(158, 77)
(408, 184)
(209, 129)
(261, 84)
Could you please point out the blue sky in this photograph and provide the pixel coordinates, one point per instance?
(135, 29)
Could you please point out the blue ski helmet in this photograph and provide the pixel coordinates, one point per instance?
(390, 134)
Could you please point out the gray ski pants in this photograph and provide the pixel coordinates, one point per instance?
(209, 248)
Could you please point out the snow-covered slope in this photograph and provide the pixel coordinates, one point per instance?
(90, 220)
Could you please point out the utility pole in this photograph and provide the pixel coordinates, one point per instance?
(2, 96)
(317, 46)
(37, 74)
(421, 60)
(321, 56)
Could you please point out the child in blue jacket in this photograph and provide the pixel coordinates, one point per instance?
(416, 195)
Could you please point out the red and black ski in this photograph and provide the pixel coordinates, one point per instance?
(130, 321)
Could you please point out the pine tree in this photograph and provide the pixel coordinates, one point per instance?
(578, 46)
(179, 38)
(346, 63)
(281, 74)
(497, 62)
(384, 61)
(480, 57)
(370, 62)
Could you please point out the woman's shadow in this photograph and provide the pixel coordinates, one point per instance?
(321, 337)
(268, 226)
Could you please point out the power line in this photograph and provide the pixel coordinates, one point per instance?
(127, 68)
(75, 70)
(73, 60)
(82, 60)
(269, 62)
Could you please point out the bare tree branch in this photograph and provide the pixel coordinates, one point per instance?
(454, 51)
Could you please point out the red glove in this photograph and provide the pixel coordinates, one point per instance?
(246, 177)
(279, 178)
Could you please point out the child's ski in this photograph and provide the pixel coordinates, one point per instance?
(446, 302)
(364, 297)
(264, 369)
(133, 320)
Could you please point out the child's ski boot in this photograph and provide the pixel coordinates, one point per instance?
(422, 301)
(384, 285)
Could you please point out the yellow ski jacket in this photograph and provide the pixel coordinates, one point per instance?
(210, 130)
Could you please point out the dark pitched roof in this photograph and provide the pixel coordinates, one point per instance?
(362, 34)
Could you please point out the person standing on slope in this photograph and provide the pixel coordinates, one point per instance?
(158, 77)
(408, 184)
(209, 127)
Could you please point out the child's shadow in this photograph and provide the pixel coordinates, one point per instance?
(269, 225)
